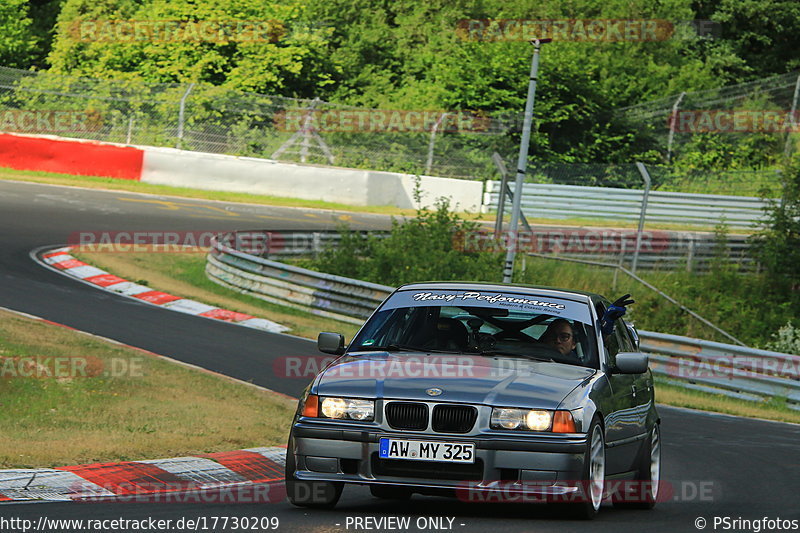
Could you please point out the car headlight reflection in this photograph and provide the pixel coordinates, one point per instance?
(348, 409)
(532, 420)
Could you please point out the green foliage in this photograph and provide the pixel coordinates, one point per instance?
(406, 54)
(290, 59)
(764, 34)
(420, 249)
(18, 42)
(786, 340)
(777, 247)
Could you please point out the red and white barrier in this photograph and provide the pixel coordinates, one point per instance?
(218, 172)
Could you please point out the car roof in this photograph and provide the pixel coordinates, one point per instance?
(567, 294)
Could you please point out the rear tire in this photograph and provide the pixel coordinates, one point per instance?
(649, 475)
(318, 494)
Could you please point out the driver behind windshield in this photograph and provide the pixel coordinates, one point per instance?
(562, 336)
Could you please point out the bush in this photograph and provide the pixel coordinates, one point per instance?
(786, 340)
(423, 248)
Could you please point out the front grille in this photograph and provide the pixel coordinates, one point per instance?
(454, 418)
(407, 415)
(427, 469)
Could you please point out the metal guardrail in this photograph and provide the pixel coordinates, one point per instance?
(730, 370)
(574, 201)
(660, 250)
(736, 371)
(337, 297)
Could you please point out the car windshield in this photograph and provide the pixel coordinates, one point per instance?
(493, 324)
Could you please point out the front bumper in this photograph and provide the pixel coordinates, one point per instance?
(527, 464)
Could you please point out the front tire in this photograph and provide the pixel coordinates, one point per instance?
(319, 494)
(649, 476)
(592, 485)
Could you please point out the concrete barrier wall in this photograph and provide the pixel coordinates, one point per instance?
(216, 172)
(164, 166)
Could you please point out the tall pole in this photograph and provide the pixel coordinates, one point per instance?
(513, 240)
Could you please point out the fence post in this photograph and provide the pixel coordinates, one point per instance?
(787, 149)
(690, 254)
(432, 142)
(501, 199)
(181, 112)
(672, 120)
(130, 130)
(642, 214)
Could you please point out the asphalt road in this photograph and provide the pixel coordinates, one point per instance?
(716, 466)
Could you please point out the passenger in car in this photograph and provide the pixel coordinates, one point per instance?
(562, 336)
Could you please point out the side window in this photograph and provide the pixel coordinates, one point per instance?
(625, 342)
(612, 343)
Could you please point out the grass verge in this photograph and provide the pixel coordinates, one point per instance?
(774, 409)
(68, 398)
(183, 274)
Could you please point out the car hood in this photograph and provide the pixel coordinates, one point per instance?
(502, 380)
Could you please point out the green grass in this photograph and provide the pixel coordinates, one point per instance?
(773, 409)
(68, 398)
(183, 274)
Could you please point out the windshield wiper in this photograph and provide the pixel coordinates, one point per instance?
(517, 354)
(394, 347)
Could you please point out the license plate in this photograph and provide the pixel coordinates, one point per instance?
(421, 450)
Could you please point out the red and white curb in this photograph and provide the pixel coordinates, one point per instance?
(253, 475)
(60, 260)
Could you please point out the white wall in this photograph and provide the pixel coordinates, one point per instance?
(165, 166)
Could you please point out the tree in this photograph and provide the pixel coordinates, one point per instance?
(18, 42)
(777, 247)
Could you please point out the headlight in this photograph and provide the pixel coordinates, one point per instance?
(532, 420)
(538, 420)
(347, 409)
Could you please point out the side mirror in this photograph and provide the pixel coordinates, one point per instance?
(332, 343)
(631, 363)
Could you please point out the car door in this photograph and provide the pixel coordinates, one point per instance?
(624, 422)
